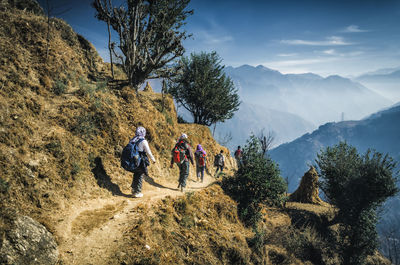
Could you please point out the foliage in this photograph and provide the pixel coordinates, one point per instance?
(149, 35)
(3, 186)
(257, 182)
(204, 90)
(59, 87)
(357, 185)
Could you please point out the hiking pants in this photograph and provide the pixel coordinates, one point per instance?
(183, 173)
(239, 162)
(138, 179)
(221, 168)
(200, 172)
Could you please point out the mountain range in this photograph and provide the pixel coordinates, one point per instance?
(380, 131)
(310, 96)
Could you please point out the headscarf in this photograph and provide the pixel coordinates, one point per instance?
(182, 137)
(200, 149)
(140, 134)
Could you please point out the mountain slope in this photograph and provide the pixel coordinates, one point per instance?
(62, 128)
(380, 131)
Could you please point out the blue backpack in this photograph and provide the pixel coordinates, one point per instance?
(131, 157)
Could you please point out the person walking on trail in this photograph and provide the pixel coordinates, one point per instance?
(141, 170)
(238, 156)
(219, 162)
(181, 155)
(200, 157)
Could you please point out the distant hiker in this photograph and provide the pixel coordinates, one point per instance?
(238, 156)
(200, 157)
(219, 162)
(137, 151)
(181, 154)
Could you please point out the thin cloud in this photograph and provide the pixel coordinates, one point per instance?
(329, 52)
(333, 52)
(329, 41)
(354, 29)
(287, 54)
(210, 39)
(285, 63)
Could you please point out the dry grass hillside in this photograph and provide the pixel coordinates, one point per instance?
(62, 129)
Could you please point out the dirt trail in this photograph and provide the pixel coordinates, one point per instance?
(92, 229)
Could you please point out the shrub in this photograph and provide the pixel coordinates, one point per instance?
(357, 185)
(59, 87)
(3, 186)
(257, 182)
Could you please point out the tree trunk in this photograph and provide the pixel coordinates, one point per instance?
(109, 48)
(215, 125)
(48, 31)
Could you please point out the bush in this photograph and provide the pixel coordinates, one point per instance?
(257, 182)
(357, 185)
(3, 186)
(59, 87)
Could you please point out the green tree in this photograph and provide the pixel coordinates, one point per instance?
(150, 35)
(204, 90)
(255, 183)
(357, 185)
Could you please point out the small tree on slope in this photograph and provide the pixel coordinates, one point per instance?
(204, 90)
(257, 182)
(357, 185)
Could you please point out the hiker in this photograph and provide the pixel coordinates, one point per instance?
(200, 157)
(141, 170)
(219, 162)
(238, 156)
(181, 154)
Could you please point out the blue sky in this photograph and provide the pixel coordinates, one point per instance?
(345, 37)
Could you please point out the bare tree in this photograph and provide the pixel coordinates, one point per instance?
(390, 240)
(149, 35)
(225, 139)
(266, 140)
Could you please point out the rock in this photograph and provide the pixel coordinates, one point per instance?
(28, 242)
(308, 190)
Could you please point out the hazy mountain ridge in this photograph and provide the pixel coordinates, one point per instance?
(380, 131)
(312, 97)
(385, 82)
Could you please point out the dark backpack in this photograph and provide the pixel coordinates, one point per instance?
(179, 152)
(217, 159)
(131, 158)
